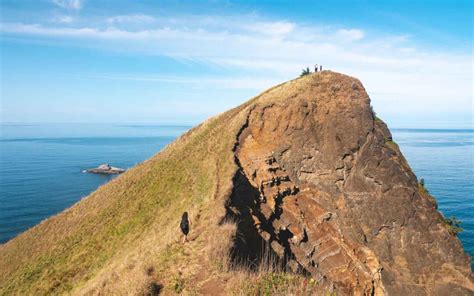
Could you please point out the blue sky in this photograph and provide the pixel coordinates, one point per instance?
(179, 62)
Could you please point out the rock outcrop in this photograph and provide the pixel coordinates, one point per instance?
(332, 193)
(105, 169)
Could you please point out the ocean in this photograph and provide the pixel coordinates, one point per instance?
(41, 166)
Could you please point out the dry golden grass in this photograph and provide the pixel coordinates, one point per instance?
(123, 238)
(271, 278)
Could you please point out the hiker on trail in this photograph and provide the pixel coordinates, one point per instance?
(184, 225)
(316, 68)
(320, 67)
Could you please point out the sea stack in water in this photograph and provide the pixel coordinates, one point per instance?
(305, 168)
(105, 169)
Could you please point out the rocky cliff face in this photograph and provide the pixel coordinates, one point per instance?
(324, 184)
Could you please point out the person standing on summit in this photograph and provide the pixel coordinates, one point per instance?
(184, 225)
(315, 68)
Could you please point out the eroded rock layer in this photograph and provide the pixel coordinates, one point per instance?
(332, 193)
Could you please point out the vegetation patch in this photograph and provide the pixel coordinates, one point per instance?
(390, 143)
(453, 225)
(177, 285)
(270, 283)
(423, 189)
(305, 72)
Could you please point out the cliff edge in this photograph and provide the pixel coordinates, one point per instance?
(304, 172)
(334, 193)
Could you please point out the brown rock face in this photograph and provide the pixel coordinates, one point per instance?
(322, 182)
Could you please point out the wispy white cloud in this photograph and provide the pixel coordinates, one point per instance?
(279, 28)
(393, 67)
(240, 83)
(69, 4)
(65, 19)
(130, 18)
(351, 34)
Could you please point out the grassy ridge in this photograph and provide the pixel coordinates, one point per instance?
(67, 250)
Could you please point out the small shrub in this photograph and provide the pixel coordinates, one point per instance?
(177, 284)
(391, 144)
(421, 185)
(453, 225)
(422, 182)
(424, 192)
(154, 289)
(305, 72)
(389, 141)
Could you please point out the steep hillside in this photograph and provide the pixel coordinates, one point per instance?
(299, 190)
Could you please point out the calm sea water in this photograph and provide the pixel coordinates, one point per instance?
(445, 159)
(41, 167)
